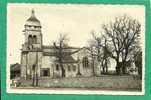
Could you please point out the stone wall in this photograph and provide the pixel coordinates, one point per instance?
(28, 60)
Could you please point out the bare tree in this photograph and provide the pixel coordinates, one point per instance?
(100, 45)
(105, 55)
(60, 54)
(124, 33)
(92, 55)
(94, 47)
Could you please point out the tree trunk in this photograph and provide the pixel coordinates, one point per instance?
(33, 82)
(140, 71)
(102, 65)
(117, 68)
(63, 71)
(124, 62)
(139, 66)
(78, 73)
(103, 69)
(100, 69)
(123, 67)
(93, 69)
(106, 67)
(36, 79)
(106, 70)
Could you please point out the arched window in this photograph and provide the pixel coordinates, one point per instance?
(85, 62)
(30, 39)
(34, 39)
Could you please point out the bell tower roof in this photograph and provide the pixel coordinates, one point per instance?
(32, 20)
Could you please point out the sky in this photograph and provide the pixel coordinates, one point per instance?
(77, 21)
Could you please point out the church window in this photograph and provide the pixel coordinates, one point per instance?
(30, 39)
(69, 68)
(45, 72)
(85, 62)
(33, 67)
(74, 68)
(29, 26)
(57, 67)
(34, 39)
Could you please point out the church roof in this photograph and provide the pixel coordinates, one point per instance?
(68, 59)
(52, 47)
(86, 48)
(52, 51)
(32, 20)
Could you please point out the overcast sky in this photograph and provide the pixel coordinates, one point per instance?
(75, 20)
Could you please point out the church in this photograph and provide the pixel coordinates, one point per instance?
(41, 60)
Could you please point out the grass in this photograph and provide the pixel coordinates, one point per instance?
(105, 82)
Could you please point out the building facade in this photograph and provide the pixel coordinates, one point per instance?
(40, 60)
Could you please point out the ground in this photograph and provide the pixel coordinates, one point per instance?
(105, 82)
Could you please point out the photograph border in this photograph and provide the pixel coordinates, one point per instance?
(70, 90)
(3, 41)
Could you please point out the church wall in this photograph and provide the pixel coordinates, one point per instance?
(23, 65)
(48, 50)
(31, 61)
(27, 62)
(48, 62)
(71, 70)
(56, 70)
(80, 55)
(85, 71)
(40, 55)
(97, 68)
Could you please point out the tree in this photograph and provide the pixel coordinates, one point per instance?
(60, 54)
(138, 62)
(124, 33)
(92, 55)
(100, 43)
(95, 48)
(105, 55)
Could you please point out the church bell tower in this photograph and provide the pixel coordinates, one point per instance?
(31, 51)
(32, 31)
